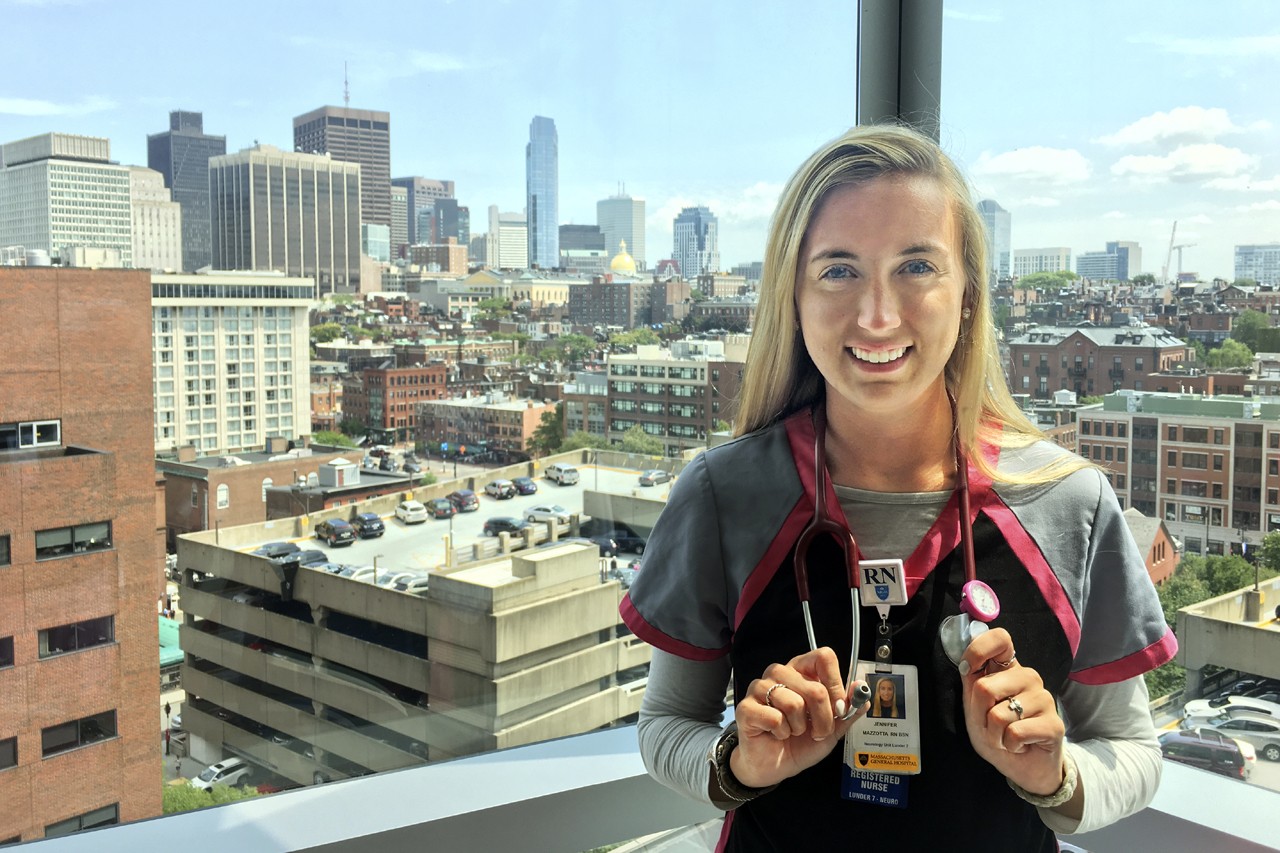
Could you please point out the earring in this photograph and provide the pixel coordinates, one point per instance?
(795, 325)
(965, 313)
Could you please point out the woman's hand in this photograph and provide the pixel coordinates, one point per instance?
(789, 719)
(1011, 718)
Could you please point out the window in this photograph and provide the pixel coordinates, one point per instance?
(78, 635)
(77, 733)
(64, 541)
(1119, 481)
(1173, 458)
(1217, 461)
(1273, 467)
(4, 550)
(28, 434)
(6, 652)
(105, 816)
(1199, 435)
(1198, 461)
(266, 484)
(224, 496)
(1120, 454)
(1085, 427)
(1217, 436)
(1173, 433)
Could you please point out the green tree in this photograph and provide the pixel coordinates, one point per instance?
(184, 798)
(1202, 354)
(636, 440)
(325, 332)
(696, 295)
(1230, 354)
(1245, 282)
(634, 338)
(578, 439)
(1049, 281)
(548, 435)
(494, 307)
(1248, 326)
(1089, 400)
(336, 439)
(1143, 278)
(341, 298)
(353, 426)
(1269, 553)
(722, 426)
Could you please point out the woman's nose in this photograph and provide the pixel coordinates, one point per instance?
(879, 307)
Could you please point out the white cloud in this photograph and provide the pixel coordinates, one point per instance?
(752, 205)
(1181, 124)
(1269, 204)
(1187, 163)
(1234, 46)
(1115, 214)
(1035, 201)
(31, 107)
(1246, 183)
(1198, 219)
(1036, 163)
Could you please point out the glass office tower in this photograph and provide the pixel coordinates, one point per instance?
(182, 155)
(543, 186)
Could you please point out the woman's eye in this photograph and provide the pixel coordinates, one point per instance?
(918, 268)
(837, 272)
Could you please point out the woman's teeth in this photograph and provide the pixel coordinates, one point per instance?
(878, 356)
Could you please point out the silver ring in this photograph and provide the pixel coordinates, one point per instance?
(768, 694)
(1016, 706)
(1005, 664)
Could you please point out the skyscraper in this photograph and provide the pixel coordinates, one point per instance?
(422, 195)
(182, 155)
(1128, 258)
(697, 242)
(399, 219)
(621, 217)
(452, 220)
(157, 222)
(1258, 261)
(357, 136)
(60, 192)
(542, 183)
(295, 213)
(997, 220)
(507, 243)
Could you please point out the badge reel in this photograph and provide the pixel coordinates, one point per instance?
(978, 606)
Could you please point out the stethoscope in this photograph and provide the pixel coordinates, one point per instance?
(978, 602)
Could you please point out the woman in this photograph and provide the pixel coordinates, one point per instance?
(884, 699)
(873, 382)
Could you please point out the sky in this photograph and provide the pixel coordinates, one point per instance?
(1089, 121)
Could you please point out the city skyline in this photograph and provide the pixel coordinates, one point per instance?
(1124, 132)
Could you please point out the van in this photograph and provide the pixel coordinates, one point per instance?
(562, 473)
(232, 771)
(1206, 750)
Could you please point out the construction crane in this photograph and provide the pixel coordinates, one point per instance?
(1164, 272)
(1178, 248)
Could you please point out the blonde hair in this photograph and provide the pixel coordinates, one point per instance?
(877, 710)
(781, 379)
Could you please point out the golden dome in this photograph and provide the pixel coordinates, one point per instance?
(622, 263)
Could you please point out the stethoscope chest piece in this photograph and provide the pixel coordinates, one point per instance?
(978, 605)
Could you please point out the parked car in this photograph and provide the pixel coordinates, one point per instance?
(415, 582)
(229, 772)
(442, 508)
(411, 512)
(654, 476)
(312, 557)
(548, 512)
(1199, 711)
(627, 574)
(627, 541)
(504, 524)
(335, 531)
(606, 544)
(525, 485)
(562, 473)
(1248, 686)
(358, 573)
(411, 468)
(276, 550)
(368, 525)
(386, 463)
(1215, 753)
(463, 500)
(500, 489)
(379, 450)
(1261, 731)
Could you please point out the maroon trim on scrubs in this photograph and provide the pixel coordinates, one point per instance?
(1158, 653)
(651, 635)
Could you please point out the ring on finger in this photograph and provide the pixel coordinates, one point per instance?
(1016, 706)
(1005, 664)
(768, 694)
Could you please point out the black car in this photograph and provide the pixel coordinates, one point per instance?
(276, 550)
(504, 524)
(386, 463)
(525, 485)
(335, 531)
(412, 468)
(627, 541)
(607, 546)
(368, 525)
(312, 558)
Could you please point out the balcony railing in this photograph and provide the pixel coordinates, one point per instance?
(582, 792)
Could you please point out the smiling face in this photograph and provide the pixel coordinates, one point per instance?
(885, 689)
(879, 291)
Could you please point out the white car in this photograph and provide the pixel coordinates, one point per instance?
(411, 512)
(1203, 711)
(1259, 730)
(547, 512)
(229, 772)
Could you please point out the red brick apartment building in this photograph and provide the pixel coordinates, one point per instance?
(388, 397)
(1090, 360)
(79, 681)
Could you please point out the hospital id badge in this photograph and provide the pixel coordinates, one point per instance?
(887, 739)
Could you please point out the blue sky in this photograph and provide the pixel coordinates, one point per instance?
(1089, 121)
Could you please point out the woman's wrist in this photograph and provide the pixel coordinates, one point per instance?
(1064, 792)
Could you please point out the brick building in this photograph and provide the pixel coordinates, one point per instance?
(1208, 466)
(1154, 543)
(1090, 360)
(79, 671)
(605, 302)
(387, 397)
(487, 422)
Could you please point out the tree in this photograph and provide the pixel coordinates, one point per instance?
(1248, 326)
(722, 426)
(184, 798)
(636, 440)
(548, 435)
(1230, 354)
(1269, 554)
(325, 332)
(578, 439)
(494, 307)
(634, 338)
(352, 425)
(1201, 352)
(1143, 278)
(1049, 281)
(1089, 400)
(335, 439)
(1245, 282)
